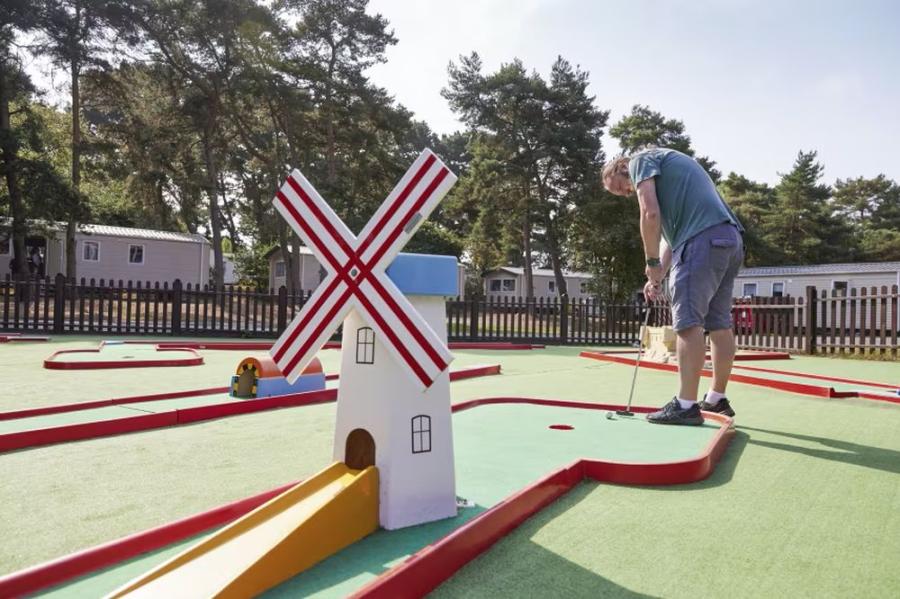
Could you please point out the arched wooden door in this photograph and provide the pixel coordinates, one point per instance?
(359, 452)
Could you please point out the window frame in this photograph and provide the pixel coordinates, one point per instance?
(512, 287)
(9, 246)
(744, 289)
(283, 266)
(84, 246)
(367, 344)
(422, 434)
(551, 285)
(846, 283)
(143, 254)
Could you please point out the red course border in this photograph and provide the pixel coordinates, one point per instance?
(11, 337)
(51, 363)
(425, 570)
(260, 345)
(105, 428)
(801, 388)
(739, 357)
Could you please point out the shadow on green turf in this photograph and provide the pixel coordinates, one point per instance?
(723, 471)
(532, 570)
(845, 452)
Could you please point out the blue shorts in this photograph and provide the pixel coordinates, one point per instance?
(703, 271)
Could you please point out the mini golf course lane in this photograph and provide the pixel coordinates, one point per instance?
(500, 449)
(815, 385)
(112, 354)
(111, 412)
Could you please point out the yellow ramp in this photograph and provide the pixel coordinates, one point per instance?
(279, 539)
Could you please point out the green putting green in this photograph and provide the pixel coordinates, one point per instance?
(35, 386)
(499, 450)
(804, 503)
(124, 352)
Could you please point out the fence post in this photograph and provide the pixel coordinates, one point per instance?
(564, 319)
(282, 309)
(473, 318)
(810, 324)
(59, 303)
(176, 307)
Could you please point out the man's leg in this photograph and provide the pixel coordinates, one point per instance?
(722, 353)
(688, 311)
(691, 354)
(721, 336)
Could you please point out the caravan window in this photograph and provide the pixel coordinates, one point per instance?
(90, 251)
(135, 254)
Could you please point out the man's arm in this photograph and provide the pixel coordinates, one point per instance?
(650, 226)
(666, 256)
(650, 229)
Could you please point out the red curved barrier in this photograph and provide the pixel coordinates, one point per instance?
(51, 363)
(792, 387)
(105, 428)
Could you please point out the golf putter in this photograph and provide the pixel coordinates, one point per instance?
(627, 411)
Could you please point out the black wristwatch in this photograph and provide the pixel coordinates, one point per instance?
(653, 262)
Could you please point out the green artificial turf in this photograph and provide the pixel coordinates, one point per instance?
(499, 449)
(805, 503)
(30, 385)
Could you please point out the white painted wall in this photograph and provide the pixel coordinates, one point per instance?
(382, 399)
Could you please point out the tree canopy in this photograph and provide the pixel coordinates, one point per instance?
(187, 115)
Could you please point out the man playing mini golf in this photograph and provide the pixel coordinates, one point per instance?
(679, 202)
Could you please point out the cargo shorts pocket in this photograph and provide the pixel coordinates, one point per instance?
(722, 243)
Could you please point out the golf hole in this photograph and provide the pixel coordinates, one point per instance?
(561, 427)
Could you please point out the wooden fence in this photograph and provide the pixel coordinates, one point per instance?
(861, 321)
(132, 308)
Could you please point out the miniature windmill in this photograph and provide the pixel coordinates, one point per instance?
(394, 397)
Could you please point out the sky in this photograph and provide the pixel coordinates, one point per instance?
(754, 81)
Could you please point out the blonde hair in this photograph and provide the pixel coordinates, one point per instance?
(616, 166)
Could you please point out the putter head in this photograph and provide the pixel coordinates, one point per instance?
(624, 413)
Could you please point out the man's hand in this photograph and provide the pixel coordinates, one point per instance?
(652, 291)
(654, 274)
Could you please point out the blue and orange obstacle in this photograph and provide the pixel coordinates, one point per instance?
(258, 377)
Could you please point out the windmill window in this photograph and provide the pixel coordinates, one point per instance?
(421, 434)
(365, 346)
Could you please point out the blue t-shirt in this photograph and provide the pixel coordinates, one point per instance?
(688, 200)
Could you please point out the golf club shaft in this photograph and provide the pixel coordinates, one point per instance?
(637, 364)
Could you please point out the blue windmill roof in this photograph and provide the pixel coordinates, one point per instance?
(424, 274)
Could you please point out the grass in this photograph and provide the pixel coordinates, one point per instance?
(805, 504)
